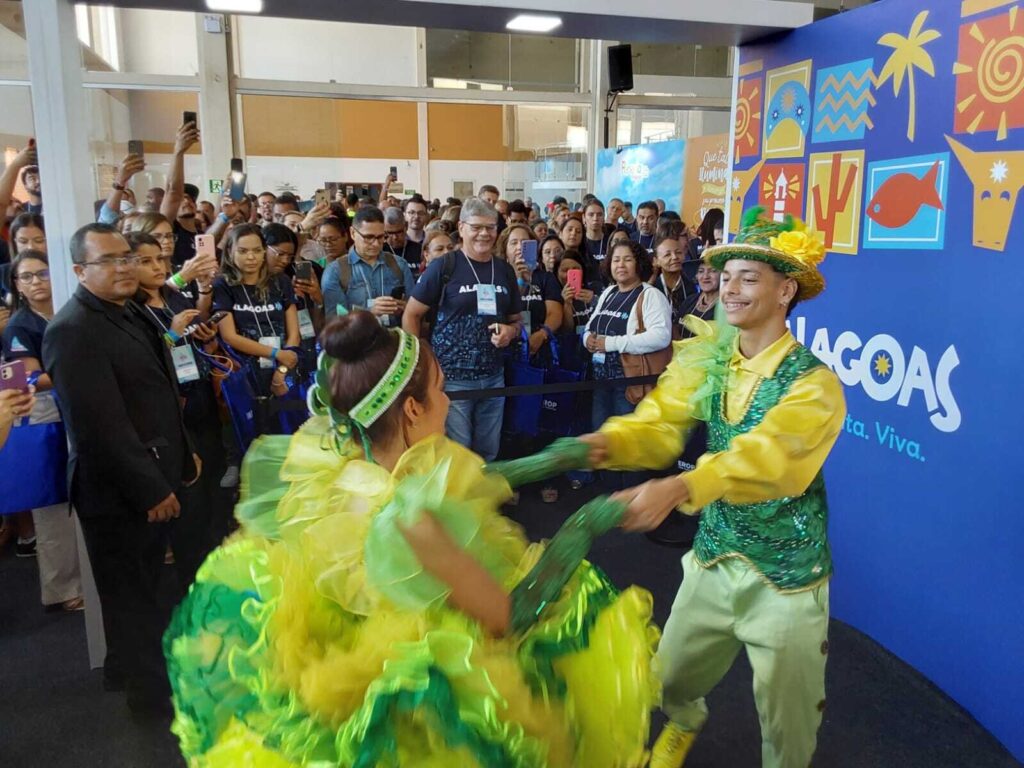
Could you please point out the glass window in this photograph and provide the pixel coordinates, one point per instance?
(681, 60)
(486, 60)
(13, 53)
(325, 51)
(139, 41)
(642, 125)
(117, 116)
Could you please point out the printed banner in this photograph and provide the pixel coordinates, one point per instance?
(704, 182)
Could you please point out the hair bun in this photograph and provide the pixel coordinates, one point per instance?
(352, 337)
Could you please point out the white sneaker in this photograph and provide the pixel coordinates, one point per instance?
(231, 477)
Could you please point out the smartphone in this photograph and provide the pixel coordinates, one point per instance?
(530, 253)
(574, 277)
(216, 317)
(304, 270)
(237, 190)
(236, 165)
(135, 147)
(189, 117)
(13, 376)
(206, 245)
(394, 172)
(398, 292)
(321, 197)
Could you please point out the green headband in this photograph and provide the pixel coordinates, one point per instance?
(383, 395)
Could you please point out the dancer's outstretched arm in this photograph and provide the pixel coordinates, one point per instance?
(476, 593)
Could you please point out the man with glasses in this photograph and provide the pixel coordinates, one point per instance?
(368, 277)
(478, 304)
(416, 218)
(129, 455)
(398, 241)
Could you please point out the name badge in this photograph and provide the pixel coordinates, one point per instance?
(486, 299)
(269, 341)
(527, 323)
(598, 357)
(340, 310)
(185, 367)
(306, 329)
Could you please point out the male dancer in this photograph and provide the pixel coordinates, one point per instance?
(757, 576)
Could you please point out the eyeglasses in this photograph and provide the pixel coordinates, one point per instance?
(372, 238)
(43, 276)
(120, 261)
(476, 229)
(280, 254)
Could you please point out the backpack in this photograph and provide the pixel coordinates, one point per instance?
(346, 269)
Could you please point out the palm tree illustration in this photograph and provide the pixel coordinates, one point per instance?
(908, 54)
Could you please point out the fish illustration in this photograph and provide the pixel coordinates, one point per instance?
(901, 196)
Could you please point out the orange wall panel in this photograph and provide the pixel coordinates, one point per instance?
(289, 126)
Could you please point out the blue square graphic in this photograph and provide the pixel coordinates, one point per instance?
(911, 190)
(842, 100)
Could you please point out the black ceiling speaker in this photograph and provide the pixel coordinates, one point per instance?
(620, 68)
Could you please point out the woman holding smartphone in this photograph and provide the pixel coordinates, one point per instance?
(305, 277)
(263, 323)
(195, 280)
(55, 544)
(176, 320)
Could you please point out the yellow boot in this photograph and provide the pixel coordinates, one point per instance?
(672, 747)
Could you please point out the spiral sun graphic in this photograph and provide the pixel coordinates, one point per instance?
(990, 75)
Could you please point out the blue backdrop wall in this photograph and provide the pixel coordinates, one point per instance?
(898, 129)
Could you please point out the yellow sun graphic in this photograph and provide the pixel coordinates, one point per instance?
(788, 99)
(883, 365)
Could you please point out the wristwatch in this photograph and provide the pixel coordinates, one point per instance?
(118, 187)
(283, 370)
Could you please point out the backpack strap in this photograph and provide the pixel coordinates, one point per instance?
(389, 261)
(448, 269)
(345, 270)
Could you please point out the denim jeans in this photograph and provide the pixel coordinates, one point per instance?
(608, 403)
(476, 424)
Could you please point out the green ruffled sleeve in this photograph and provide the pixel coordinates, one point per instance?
(391, 565)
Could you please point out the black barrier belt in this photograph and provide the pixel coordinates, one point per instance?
(276, 405)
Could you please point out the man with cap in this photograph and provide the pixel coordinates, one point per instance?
(757, 576)
(179, 203)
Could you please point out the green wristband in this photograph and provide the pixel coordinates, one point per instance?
(178, 280)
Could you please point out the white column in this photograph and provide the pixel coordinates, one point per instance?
(58, 108)
(597, 84)
(65, 167)
(422, 134)
(214, 98)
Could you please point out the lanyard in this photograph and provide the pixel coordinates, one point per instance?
(470, 261)
(607, 318)
(256, 315)
(156, 317)
(366, 282)
(640, 239)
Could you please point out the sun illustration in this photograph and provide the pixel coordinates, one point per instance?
(789, 99)
(999, 171)
(748, 118)
(883, 365)
(990, 75)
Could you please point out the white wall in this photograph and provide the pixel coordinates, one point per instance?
(322, 51)
(158, 42)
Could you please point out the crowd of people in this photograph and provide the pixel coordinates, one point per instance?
(178, 295)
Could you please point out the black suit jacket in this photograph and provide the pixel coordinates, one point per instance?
(119, 398)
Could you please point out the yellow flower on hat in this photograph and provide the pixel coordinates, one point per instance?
(804, 246)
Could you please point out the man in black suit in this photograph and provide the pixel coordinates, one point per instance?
(129, 454)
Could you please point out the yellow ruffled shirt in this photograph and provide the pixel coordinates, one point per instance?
(777, 458)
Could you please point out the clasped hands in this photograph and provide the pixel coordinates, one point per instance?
(649, 503)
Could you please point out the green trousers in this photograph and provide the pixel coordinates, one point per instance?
(721, 609)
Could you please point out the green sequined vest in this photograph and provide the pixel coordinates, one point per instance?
(785, 539)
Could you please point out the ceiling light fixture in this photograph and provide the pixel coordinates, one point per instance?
(526, 22)
(235, 6)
